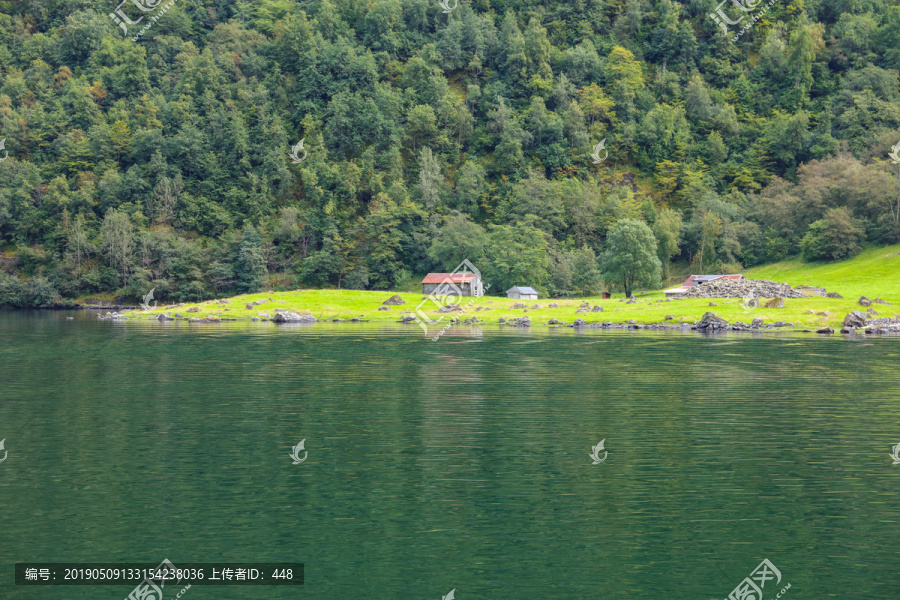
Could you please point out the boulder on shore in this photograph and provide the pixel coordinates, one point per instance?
(855, 319)
(394, 300)
(712, 322)
(579, 323)
(290, 316)
(825, 330)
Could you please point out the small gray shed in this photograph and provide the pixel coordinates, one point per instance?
(522, 293)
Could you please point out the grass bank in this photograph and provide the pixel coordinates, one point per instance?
(875, 273)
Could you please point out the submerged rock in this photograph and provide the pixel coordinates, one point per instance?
(289, 316)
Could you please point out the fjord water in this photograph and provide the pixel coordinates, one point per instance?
(461, 463)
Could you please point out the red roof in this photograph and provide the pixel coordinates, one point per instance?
(448, 277)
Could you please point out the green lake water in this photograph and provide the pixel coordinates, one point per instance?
(457, 464)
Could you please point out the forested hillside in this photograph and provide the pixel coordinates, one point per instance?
(433, 133)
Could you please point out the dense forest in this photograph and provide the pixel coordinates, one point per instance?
(158, 154)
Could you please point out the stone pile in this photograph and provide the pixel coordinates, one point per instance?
(742, 288)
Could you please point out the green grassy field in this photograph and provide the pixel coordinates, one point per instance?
(875, 273)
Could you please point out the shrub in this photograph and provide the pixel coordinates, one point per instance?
(837, 235)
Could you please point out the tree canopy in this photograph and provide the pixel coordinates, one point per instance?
(159, 154)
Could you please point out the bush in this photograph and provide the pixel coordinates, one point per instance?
(35, 293)
(837, 235)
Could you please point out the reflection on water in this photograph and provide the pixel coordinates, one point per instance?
(462, 463)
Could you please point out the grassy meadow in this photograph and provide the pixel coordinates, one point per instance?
(874, 273)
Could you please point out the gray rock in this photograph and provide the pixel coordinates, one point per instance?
(579, 323)
(743, 288)
(536, 306)
(165, 317)
(581, 310)
(407, 319)
(669, 317)
(880, 301)
(518, 305)
(394, 300)
(712, 322)
(825, 330)
(780, 323)
(290, 316)
(844, 330)
(597, 309)
(265, 315)
(249, 306)
(863, 301)
(254, 318)
(382, 308)
(833, 295)
(502, 320)
(194, 309)
(713, 304)
(855, 319)
(553, 322)
(553, 305)
(775, 303)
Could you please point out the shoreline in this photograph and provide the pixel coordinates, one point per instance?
(711, 324)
